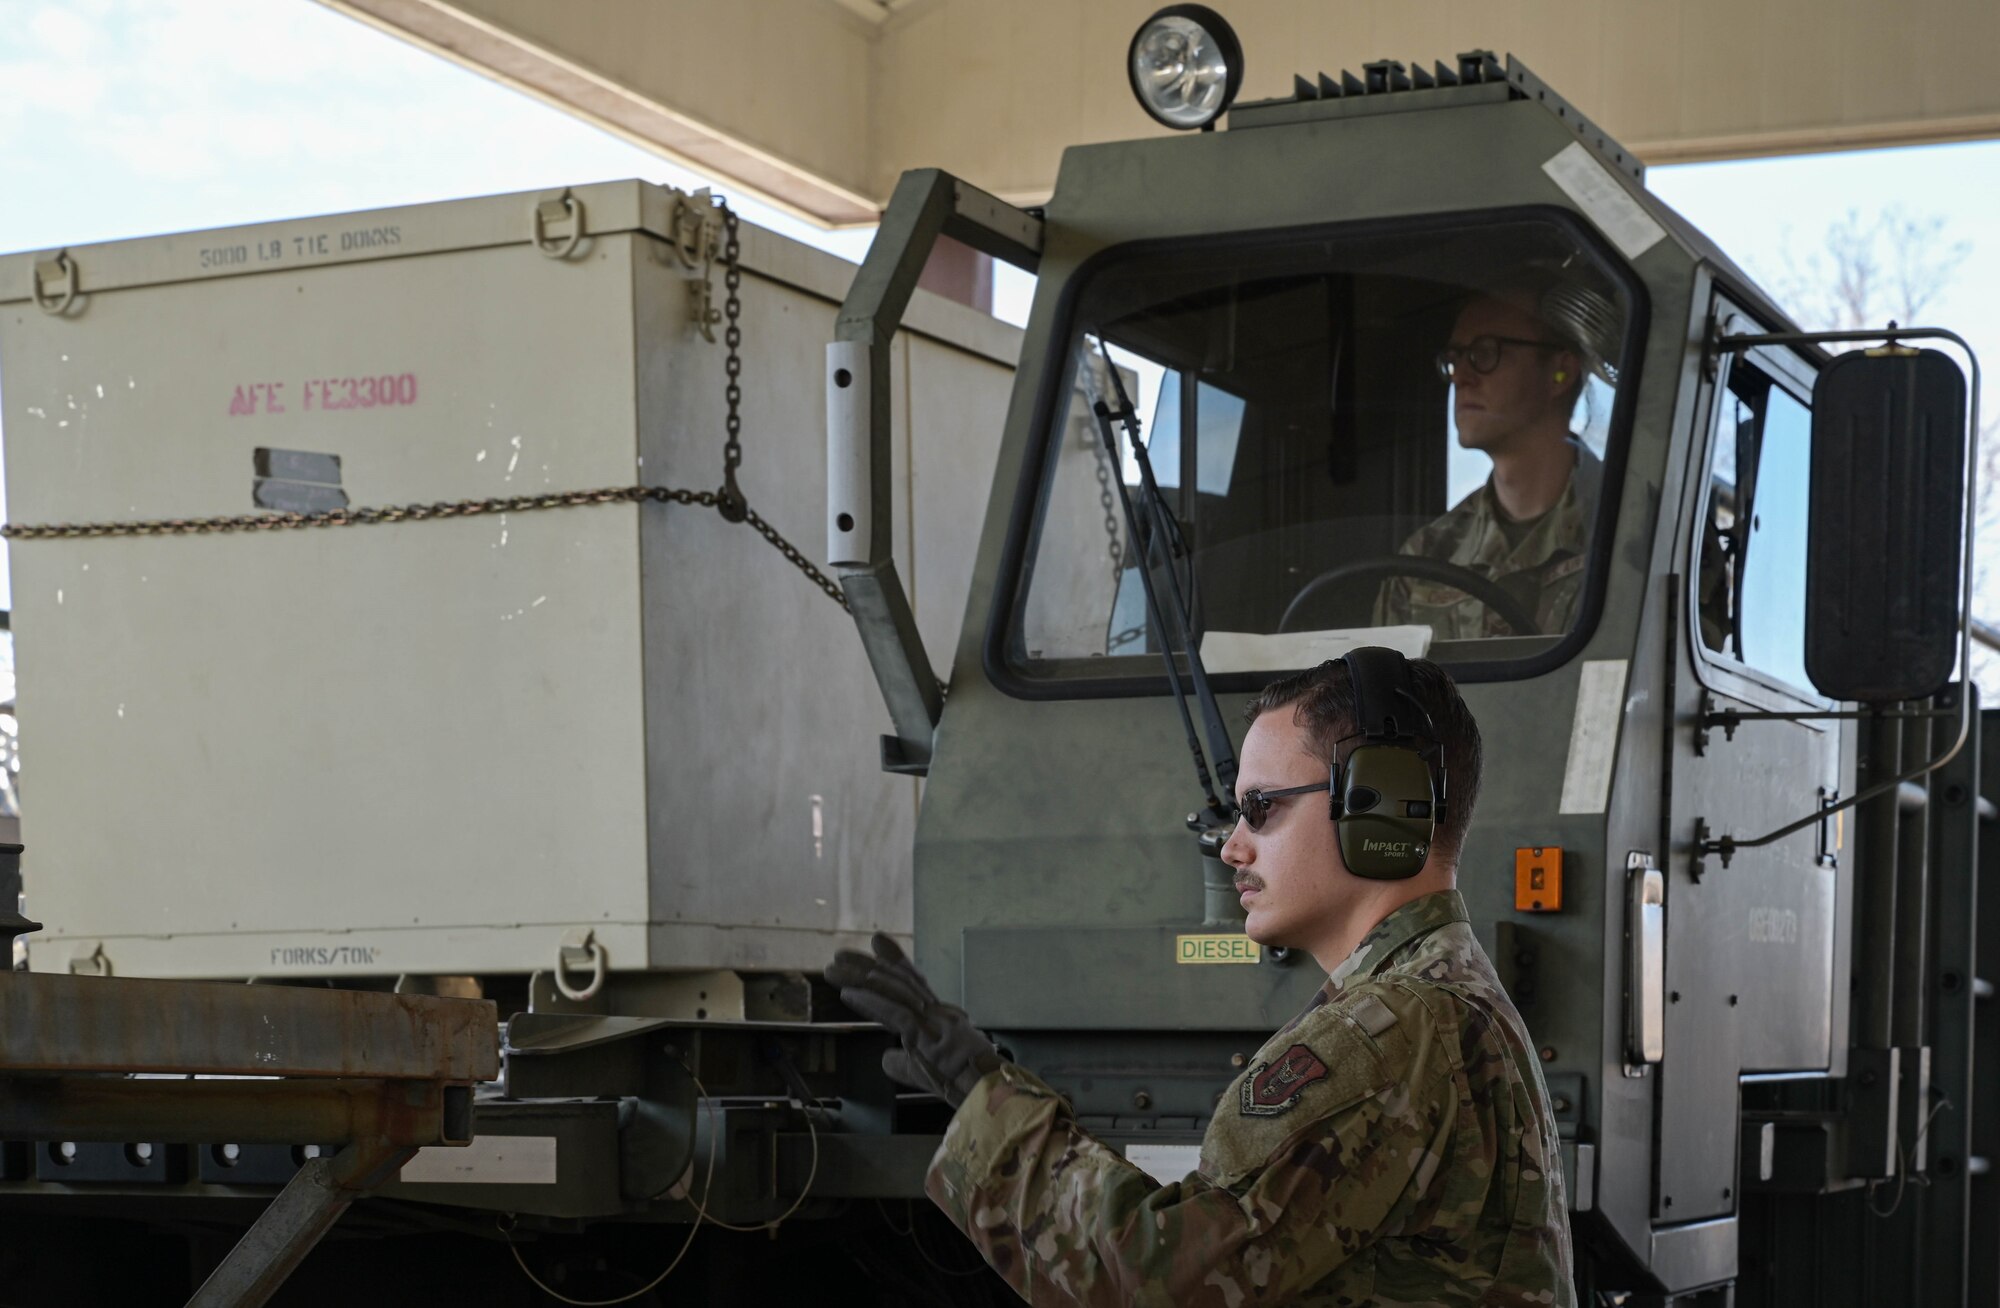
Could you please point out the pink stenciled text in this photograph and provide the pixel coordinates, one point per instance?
(380, 391)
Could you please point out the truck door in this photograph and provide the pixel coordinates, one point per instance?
(1753, 947)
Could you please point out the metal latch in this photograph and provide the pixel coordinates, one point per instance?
(53, 284)
(695, 233)
(93, 963)
(694, 229)
(550, 218)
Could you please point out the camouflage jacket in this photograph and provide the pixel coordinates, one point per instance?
(1544, 571)
(1391, 1145)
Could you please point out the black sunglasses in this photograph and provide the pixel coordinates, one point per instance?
(1482, 354)
(1255, 805)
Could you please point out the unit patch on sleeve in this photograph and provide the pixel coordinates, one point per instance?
(1276, 1087)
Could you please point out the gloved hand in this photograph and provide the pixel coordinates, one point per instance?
(942, 1051)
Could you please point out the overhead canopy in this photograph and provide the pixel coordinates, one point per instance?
(818, 105)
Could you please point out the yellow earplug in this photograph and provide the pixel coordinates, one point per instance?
(1561, 377)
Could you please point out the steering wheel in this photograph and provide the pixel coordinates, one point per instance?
(1484, 589)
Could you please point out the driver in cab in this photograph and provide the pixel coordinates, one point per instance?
(1515, 384)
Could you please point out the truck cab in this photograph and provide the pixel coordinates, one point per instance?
(1232, 452)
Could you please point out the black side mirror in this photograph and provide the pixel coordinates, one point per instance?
(1887, 505)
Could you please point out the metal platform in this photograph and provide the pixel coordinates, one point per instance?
(380, 1075)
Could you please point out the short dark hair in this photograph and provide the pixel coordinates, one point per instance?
(1322, 702)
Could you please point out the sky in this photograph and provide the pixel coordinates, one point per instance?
(123, 118)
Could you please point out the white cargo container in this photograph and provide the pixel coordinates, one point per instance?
(444, 747)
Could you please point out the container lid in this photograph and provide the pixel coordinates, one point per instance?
(549, 217)
(61, 280)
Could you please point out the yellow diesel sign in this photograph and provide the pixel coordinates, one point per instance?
(1215, 949)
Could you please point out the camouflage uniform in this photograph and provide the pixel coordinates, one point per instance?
(1545, 571)
(1391, 1145)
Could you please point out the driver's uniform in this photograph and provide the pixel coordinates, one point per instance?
(1540, 563)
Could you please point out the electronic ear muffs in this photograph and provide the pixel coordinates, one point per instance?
(1388, 795)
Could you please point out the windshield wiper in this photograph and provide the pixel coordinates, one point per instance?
(1164, 530)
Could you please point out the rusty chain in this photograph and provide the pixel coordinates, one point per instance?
(727, 501)
(423, 513)
(798, 560)
(733, 506)
(1115, 548)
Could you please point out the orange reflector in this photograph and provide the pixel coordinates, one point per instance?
(1538, 879)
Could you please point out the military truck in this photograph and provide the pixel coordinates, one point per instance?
(1728, 846)
(1754, 1024)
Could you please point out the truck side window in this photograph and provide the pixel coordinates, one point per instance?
(1751, 594)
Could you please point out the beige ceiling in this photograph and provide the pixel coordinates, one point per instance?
(818, 105)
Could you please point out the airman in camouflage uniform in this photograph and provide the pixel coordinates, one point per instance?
(1517, 365)
(1543, 569)
(1391, 1145)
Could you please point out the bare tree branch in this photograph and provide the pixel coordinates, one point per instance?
(1869, 271)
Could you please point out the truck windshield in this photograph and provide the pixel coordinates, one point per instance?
(1390, 439)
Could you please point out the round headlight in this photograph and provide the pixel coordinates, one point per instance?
(1186, 65)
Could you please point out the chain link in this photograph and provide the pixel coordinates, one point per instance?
(727, 501)
(798, 560)
(424, 513)
(733, 506)
(1116, 547)
(354, 517)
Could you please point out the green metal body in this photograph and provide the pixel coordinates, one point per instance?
(1054, 871)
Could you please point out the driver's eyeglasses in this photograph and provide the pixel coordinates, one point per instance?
(1255, 805)
(1482, 354)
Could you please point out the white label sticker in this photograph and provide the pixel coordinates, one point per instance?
(488, 1160)
(1164, 1163)
(1604, 200)
(1593, 736)
(1256, 651)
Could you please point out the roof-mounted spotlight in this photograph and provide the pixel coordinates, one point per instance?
(1186, 66)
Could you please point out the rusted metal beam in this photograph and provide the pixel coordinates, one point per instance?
(380, 1074)
(54, 1023)
(283, 1234)
(241, 1112)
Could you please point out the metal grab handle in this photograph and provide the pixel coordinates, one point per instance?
(1646, 961)
(596, 953)
(563, 247)
(61, 267)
